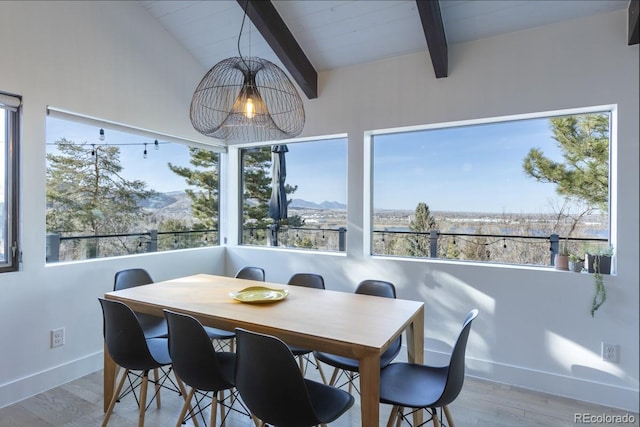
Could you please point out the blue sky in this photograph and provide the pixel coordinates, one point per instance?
(471, 168)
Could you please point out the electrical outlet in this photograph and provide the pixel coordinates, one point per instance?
(610, 352)
(57, 337)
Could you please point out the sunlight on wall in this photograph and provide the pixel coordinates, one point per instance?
(575, 358)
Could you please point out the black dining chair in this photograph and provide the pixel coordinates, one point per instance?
(129, 349)
(156, 326)
(307, 280)
(153, 326)
(275, 391)
(419, 386)
(197, 364)
(350, 367)
(251, 273)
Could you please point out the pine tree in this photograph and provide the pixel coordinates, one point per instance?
(205, 177)
(584, 174)
(424, 222)
(86, 195)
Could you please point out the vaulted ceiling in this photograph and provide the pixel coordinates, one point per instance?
(305, 37)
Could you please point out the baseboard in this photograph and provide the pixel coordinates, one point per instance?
(31, 385)
(611, 395)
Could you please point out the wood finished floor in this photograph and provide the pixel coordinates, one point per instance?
(481, 403)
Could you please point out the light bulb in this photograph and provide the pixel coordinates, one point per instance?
(249, 108)
(144, 155)
(156, 144)
(101, 134)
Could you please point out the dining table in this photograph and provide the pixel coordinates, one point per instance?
(343, 323)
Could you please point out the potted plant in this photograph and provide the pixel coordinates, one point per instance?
(599, 260)
(561, 260)
(599, 263)
(576, 263)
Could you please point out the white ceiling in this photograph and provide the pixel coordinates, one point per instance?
(335, 34)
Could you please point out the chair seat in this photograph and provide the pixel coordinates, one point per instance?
(159, 349)
(411, 385)
(329, 403)
(219, 334)
(153, 326)
(299, 351)
(348, 364)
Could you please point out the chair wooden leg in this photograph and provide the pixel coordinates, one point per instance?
(155, 374)
(436, 421)
(392, 416)
(186, 407)
(301, 364)
(334, 376)
(447, 414)
(399, 416)
(324, 379)
(214, 408)
(143, 398)
(114, 398)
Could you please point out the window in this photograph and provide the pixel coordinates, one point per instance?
(315, 187)
(9, 142)
(112, 191)
(509, 191)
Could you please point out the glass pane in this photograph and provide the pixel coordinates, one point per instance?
(4, 237)
(495, 192)
(113, 193)
(315, 187)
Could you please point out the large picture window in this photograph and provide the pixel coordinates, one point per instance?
(314, 182)
(9, 143)
(111, 192)
(512, 191)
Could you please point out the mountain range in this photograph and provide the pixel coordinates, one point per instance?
(179, 201)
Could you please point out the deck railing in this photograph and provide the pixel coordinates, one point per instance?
(500, 248)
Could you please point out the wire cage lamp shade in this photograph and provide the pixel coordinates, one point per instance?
(247, 99)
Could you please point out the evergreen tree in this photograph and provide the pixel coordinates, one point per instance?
(86, 194)
(423, 222)
(205, 177)
(584, 174)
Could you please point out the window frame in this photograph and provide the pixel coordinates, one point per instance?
(164, 138)
(11, 106)
(611, 109)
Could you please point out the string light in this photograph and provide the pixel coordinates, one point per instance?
(93, 149)
(144, 155)
(101, 134)
(157, 145)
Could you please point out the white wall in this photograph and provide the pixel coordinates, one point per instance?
(110, 60)
(534, 328)
(104, 59)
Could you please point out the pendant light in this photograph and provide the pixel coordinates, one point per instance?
(246, 99)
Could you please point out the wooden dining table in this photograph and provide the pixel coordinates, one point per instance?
(342, 323)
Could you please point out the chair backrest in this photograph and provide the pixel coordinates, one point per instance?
(192, 354)
(251, 273)
(380, 288)
(124, 337)
(455, 373)
(308, 280)
(132, 277)
(270, 382)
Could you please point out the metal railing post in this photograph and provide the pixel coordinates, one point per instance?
(342, 241)
(433, 244)
(554, 248)
(152, 243)
(53, 248)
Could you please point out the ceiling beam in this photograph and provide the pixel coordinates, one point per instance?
(267, 20)
(433, 28)
(634, 36)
